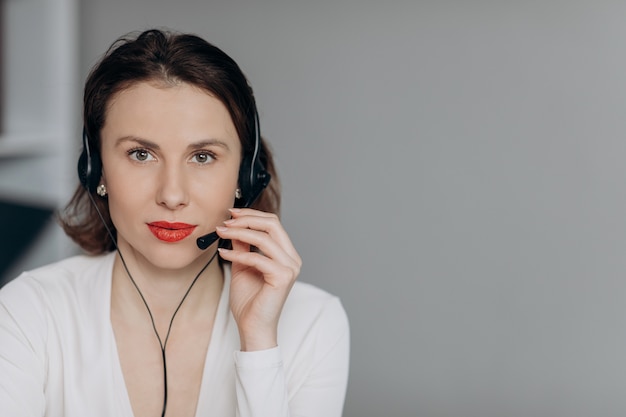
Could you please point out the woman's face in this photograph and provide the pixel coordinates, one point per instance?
(171, 158)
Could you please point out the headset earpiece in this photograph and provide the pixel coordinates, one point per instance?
(250, 191)
(253, 178)
(89, 166)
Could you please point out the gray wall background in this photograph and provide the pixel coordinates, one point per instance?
(454, 171)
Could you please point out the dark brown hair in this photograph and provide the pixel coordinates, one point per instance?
(168, 58)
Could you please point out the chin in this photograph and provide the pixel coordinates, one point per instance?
(170, 256)
(171, 263)
(175, 257)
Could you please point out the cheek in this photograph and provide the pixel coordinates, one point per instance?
(125, 189)
(124, 202)
(128, 194)
(218, 193)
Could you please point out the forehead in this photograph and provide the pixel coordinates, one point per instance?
(160, 111)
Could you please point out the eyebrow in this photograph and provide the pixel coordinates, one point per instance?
(151, 145)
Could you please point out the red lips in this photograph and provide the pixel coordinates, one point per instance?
(170, 232)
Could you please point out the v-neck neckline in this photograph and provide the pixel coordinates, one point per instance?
(219, 328)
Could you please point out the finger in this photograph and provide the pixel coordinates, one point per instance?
(238, 245)
(261, 240)
(275, 274)
(238, 212)
(266, 222)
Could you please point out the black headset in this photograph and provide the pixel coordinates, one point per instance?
(253, 178)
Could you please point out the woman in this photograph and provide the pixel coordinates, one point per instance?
(161, 318)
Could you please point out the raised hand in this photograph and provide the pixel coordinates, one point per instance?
(262, 278)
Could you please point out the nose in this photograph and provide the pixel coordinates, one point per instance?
(173, 190)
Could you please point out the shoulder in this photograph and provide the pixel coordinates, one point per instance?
(311, 313)
(71, 269)
(314, 337)
(306, 300)
(55, 283)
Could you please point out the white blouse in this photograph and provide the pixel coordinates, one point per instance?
(58, 356)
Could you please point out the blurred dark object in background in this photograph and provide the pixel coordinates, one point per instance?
(2, 38)
(20, 224)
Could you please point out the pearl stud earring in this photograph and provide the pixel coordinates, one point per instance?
(101, 190)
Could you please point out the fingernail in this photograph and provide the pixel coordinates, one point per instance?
(234, 210)
(221, 228)
(229, 221)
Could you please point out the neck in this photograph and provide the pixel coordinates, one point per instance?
(163, 290)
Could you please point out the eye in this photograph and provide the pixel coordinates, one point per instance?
(140, 155)
(203, 158)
